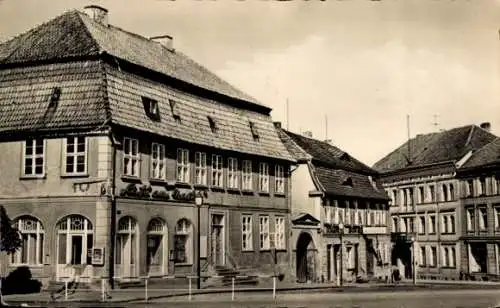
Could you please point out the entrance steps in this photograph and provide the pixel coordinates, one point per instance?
(242, 276)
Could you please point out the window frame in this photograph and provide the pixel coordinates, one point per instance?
(200, 168)
(233, 179)
(75, 154)
(40, 238)
(183, 166)
(264, 233)
(263, 177)
(279, 179)
(246, 229)
(280, 234)
(131, 157)
(159, 161)
(217, 171)
(247, 175)
(187, 232)
(34, 156)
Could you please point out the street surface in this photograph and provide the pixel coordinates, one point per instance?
(408, 299)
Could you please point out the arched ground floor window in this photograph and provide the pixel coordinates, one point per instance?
(157, 247)
(32, 242)
(126, 251)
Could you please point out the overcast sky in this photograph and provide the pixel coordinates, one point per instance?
(363, 64)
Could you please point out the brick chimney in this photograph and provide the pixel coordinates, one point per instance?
(308, 134)
(165, 40)
(486, 126)
(97, 13)
(277, 124)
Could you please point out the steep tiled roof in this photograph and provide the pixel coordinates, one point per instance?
(336, 171)
(449, 145)
(335, 181)
(487, 155)
(327, 154)
(94, 93)
(75, 34)
(25, 93)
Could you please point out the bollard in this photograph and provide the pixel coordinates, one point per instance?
(146, 289)
(274, 287)
(189, 288)
(66, 290)
(232, 293)
(103, 289)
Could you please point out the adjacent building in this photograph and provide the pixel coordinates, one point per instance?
(107, 137)
(339, 214)
(420, 177)
(480, 186)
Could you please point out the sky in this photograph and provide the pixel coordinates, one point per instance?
(351, 70)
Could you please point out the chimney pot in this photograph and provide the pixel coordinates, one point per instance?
(329, 141)
(97, 13)
(277, 124)
(165, 40)
(308, 134)
(486, 126)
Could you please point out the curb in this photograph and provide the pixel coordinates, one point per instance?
(322, 289)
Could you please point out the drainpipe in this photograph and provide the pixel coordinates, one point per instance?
(113, 215)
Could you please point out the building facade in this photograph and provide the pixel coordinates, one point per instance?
(108, 136)
(339, 214)
(420, 177)
(480, 231)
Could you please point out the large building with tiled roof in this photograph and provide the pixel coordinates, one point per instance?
(336, 199)
(480, 230)
(420, 177)
(107, 137)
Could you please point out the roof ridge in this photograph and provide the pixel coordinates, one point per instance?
(471, 132)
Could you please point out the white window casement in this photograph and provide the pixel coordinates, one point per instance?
(200, 168)
(158, 162)
(481, 186)
(470, 188)
(483, 219)
(34, 158)
(421, 195)
(421, 224)
(246, 233)
(402, 224)
(347, 216)
(328, 214)
(246, 177)
(264, 177)
(432, 224)
(423, 256)
(470, 219)
(32, 242)
(433, 256)
(448, 223)
(233, 179)
(264, 232)
(279, 237)
(183, 242)
(183, 170)
(497, 216)
(131, 157)
(448, 256)
(432, 193)
(279, 179)
(357, 217)
(384, 218)
(75, 152)
(217, 171)
(336, 215)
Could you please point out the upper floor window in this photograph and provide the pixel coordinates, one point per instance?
(217, 171)
(497, 216)
(200, 162)
(232, 173)
(264, 177)
(448, 223)
(421, 195)
(470, 188)
(183, 166)
(470, 219)
(483, 219)
(452, 192)
(394, 224)
(482, 186)
(254, 130)
(495, 185)
(432, 224)
(246, 170)
(76, 155)
(279, 179)
(151, 107)
(444, 192)
(421, 224)
(394, 196)
(432, 193)
(158, 161)
(131, 161)
(264, 232)
(175, 110)
(34, 157)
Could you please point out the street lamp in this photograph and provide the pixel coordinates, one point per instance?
(341, 233)
(198, 200)
(413, 265)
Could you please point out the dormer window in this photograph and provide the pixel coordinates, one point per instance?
(255, 131)
(213, 124)
(175, 110)
(348, 182)
(54, 96)
(151, 107)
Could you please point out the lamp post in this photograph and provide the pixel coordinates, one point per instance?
(341, 233)
(413, 267)
(198, 200)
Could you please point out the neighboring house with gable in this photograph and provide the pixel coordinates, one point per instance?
(420, 177)
(331, 188)
(480, 229)
(106, 136)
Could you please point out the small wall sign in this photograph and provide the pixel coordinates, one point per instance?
(98, 256)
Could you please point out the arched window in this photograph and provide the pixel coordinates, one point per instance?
(183, 244)
(157, 247)
(444, 192)
(32, 241)
(126, 247)
(452, 192)
(75, 238)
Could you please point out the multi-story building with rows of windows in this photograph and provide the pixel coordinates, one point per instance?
(480, 187)
(107, 136)
(420, 177)
(339, 214)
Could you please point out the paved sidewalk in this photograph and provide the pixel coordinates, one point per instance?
(137, 295)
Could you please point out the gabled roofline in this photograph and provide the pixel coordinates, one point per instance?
(416, 168)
